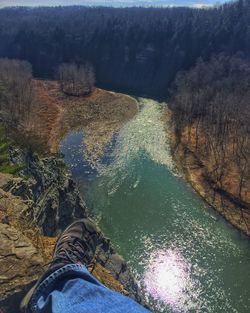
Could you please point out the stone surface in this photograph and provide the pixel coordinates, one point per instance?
(42, 202)
(20, 263)
(55, 197)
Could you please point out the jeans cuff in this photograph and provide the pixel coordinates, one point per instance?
(51, 278)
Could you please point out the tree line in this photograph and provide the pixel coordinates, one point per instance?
(137, 50)
(17, 97)
(211, 102)
(16, 93)
(76, 80)
(202, 53)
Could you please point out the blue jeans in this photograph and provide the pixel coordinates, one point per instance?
(72, 289)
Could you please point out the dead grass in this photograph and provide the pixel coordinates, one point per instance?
(100, 114)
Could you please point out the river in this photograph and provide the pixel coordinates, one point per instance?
(184, 255)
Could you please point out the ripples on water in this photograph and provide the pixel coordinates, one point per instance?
(143, 136)
(167, 278)
(184, 255)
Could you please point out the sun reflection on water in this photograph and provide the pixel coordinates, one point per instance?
(167, 278)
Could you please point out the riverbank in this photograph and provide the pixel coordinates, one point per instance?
(197, 169)
(35, 207)
(100, 114)
(183, 254)
(40, 201)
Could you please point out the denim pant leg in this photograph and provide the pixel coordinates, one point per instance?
(72, 289)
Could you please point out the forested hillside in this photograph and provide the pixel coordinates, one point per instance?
(210, 106)
(196, 59)
(138, 50)
(75, 91)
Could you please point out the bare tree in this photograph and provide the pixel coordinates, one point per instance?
(16, 93)
(76, 80)
(211, 106)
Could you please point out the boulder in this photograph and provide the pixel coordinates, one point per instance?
(20, 266)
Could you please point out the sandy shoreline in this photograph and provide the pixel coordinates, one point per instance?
(101, 115)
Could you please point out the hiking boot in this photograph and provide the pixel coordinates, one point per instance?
(76, 245)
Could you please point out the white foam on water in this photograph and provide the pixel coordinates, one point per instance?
(144, 134)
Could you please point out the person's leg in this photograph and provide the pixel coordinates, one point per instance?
(72, 289)
(69, 287)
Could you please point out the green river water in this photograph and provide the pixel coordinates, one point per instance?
(184, 255)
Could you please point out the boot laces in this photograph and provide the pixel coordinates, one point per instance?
(74, 252)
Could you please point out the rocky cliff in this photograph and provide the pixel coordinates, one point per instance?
(34, 208)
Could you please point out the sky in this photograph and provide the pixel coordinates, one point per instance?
(115, 3)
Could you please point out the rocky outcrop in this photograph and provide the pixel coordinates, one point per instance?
(48, 185)
(41, 202)
(20, 265)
